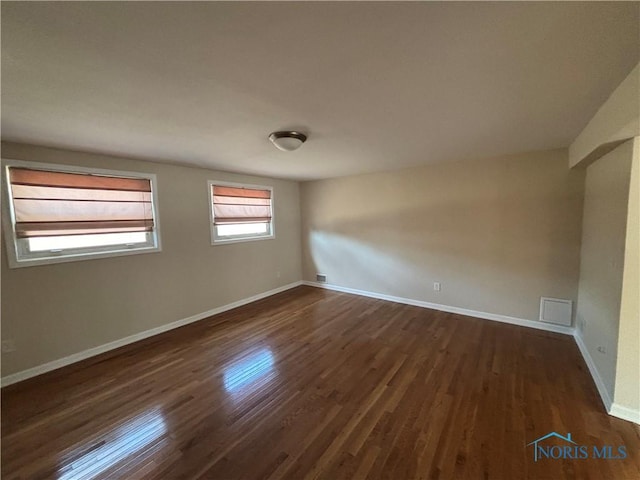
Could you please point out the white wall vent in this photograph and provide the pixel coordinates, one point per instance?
(555, 310)
(320, 277)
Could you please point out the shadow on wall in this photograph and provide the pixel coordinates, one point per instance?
(490, 251)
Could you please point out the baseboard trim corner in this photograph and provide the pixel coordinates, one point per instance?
(625, 413)
(92, 352)
(549, 327)
(597, 379)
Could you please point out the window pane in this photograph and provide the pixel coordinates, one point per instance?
(241, 229)
(40, 244)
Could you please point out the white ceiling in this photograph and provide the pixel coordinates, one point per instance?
(376, 86)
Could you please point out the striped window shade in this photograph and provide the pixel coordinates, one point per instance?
(49, 203)
(235, 205)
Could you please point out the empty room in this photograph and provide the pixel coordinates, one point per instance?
(320, 240)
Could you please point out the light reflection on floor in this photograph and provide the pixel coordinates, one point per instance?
(252, 372)
(119, 444)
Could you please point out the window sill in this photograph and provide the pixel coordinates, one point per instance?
(226, 241)
(76, 257)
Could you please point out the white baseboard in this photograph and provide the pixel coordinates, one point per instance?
(614, 409)
(625, 413)
(602, 390)
(76, 357)
(446, 308)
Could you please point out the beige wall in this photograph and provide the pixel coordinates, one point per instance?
(627, 388)
(498, 233)
(617, 120)
(602, 258)
(613, 305)
(53, 311)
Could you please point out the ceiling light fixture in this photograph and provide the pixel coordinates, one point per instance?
(288, 141)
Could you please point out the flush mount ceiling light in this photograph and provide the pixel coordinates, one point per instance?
(288, 141)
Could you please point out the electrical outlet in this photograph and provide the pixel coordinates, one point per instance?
(436, 286)
(8, 346)
(277, 274)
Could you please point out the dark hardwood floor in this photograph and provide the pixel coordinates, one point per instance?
(315, 384)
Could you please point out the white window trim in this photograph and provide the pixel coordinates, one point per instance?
(76, 254)
(215, 240)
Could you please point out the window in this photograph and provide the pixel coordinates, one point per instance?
(60, 213)
(240, 212)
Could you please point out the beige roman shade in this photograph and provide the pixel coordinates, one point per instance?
(59, 203)
(233, 205)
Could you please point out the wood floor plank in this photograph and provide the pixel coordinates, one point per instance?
(318, 385)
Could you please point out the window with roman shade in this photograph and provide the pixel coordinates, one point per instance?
(57, 213)
(241, 212)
